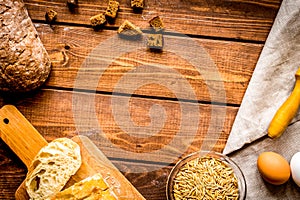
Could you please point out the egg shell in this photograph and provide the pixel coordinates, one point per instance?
(295, 168)
(273, 168)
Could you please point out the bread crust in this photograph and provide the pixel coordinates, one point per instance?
(24, 62)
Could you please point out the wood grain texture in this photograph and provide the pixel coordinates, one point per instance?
(69, 47)
(20, 135)
(12, 172)
(97, 161)
(248, 20)
(151, 184)
(66, 114)
(53, 119)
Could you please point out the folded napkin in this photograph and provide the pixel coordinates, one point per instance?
(273, 78)
(271, 83)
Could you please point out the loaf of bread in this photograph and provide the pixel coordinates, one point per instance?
(52, 168)
(24, 62)
(91, 188)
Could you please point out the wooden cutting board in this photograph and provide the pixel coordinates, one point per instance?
(17, 132)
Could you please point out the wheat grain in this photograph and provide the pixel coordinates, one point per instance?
(205, 178)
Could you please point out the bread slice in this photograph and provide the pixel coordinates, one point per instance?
(52, 168)
(91, 188)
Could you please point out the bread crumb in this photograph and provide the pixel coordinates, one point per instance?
(51, 16)
(155, 41)
(129, 30)
(157, 23)
(98, 20)
(72, 4)
(112, 9)
(137, 4)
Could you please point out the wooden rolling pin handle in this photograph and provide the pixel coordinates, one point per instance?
(286, 112)
(17, 132)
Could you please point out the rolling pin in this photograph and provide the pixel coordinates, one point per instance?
(25, 141)
(286, 112)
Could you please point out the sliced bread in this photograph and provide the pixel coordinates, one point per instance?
(52, 168)
(91, 188)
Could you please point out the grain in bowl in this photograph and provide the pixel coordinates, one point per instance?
(206, 175)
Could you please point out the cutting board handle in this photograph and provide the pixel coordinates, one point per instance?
(17, 132)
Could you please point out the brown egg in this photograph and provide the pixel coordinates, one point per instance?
(273, 168)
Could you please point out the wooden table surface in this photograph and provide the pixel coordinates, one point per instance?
(232, 33)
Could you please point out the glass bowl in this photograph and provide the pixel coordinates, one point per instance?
(185, 178)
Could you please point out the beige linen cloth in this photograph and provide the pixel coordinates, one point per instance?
(271, 83)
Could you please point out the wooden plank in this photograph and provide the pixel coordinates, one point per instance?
(70, 46)
(243, 19)
(12, 172)
(148, 126)
(152, 185)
